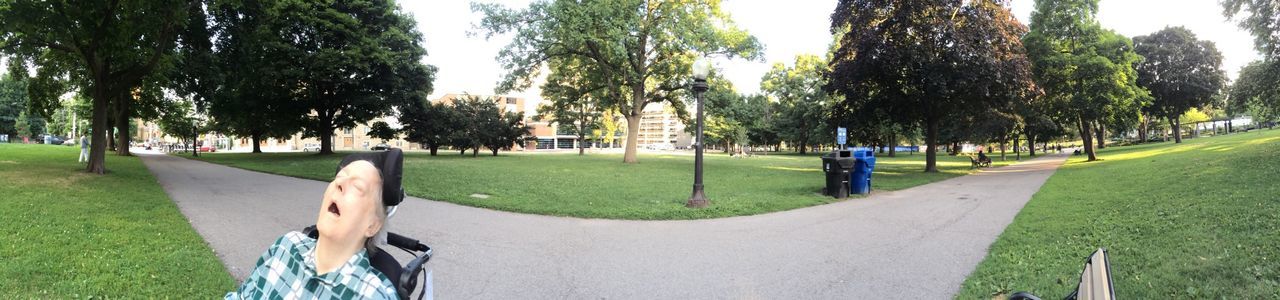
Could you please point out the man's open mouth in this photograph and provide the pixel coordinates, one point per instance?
(333, 208)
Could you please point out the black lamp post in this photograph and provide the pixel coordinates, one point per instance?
(700, 70)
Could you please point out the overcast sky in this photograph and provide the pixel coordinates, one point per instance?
(788, 28)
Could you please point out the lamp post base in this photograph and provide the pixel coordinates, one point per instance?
(697, 200)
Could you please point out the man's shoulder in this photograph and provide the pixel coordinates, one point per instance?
(295, 241)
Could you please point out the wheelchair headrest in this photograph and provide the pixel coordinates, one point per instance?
(390, 166)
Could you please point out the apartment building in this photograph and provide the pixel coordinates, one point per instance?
(660, 128)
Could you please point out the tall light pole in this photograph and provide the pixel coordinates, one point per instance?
(700, 70)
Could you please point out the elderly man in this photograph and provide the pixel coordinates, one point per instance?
(351, 224)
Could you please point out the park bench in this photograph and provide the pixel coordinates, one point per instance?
(975, 162)
(1095, 280)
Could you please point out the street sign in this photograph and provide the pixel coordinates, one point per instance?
(841, 137)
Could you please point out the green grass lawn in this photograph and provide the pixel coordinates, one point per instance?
(67, 234)
(601, 186)
(1194, 220)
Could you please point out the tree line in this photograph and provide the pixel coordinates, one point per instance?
(248, 68)
(468, 122)
(968, 71)
(938, 72)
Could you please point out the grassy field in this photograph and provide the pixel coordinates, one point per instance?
(1181, 221)
(68, 234)
(601, 186)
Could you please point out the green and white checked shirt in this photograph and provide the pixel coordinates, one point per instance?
(288, 271)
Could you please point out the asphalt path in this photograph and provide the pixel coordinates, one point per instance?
(914, 243)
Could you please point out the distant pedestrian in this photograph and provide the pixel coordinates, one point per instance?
(84, 148)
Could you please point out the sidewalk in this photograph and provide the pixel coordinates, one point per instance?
(915, 243)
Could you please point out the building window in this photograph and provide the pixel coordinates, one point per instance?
(347, 131)
(564, 143)
(511, 100)
(546, 143)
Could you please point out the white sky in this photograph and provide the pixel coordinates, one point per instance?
(788, 28)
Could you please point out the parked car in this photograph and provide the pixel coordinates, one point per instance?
(208, 149)
(49, 139)
(311, 147)
(381, 147)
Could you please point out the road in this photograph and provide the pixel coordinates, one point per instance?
(914, 243)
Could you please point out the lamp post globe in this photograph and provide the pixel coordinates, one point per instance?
(700, 70)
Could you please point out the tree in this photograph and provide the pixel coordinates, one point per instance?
(380, 130)
(23, 125)
(246, 82)
(429, 124)
(1180, 71)
(1262, 20)
(179, 120)
(1086, 71)
(13, 102)
(920, 61)
(642, 48)
(106, 48)
(573, 100)
(352, 61)
(1255, 92)
(471, 115)
(762, 120)
(502, 130)
(802, 102)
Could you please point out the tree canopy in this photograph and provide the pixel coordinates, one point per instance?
(802, 101)
(349, 62)
(642, 48)
(1180, 71)
(919, 61)
(1087, 71)
(104, 48)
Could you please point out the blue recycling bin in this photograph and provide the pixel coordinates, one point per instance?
(860, 178)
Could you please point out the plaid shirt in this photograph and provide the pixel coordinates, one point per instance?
(288, 271)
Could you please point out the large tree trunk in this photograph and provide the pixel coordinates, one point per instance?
(257, 142)
(495, 151)
(195, 140)
(122, 124)
(111, 134)
(1087, 136)
(1142, 129)
(98, 145)
(1017, 152)
(326, 135)
(1177, 129)
(1031, 144)
(633, 135)
(931, 140)
(582, 144)
(433, 149)
(893, 144)
(1100, 133)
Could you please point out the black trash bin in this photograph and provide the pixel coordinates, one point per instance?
(837, 166)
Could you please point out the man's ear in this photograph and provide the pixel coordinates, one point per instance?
(373, 228)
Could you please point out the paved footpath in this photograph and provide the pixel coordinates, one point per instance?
(914, 243)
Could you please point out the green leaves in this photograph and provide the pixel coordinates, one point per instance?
(1262, 20)
(1181, 71)
(642, 49)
